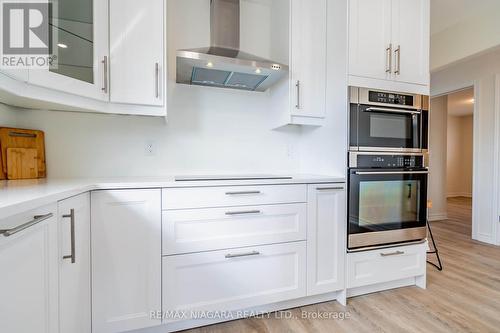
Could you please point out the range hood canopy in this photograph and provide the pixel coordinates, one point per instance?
(222, 64)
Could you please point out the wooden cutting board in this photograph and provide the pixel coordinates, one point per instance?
(22, 163)
(23, 138)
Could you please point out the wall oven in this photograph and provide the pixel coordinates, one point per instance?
(387, 201)
(387, 121)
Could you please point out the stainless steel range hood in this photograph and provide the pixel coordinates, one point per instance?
(222, 64)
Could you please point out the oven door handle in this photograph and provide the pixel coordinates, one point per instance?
(391, 173)
(372, 109)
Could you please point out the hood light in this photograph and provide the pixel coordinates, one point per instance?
(258, 71)
(210, 64)
(62, 46)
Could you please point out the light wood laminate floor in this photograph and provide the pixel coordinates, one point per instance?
(464, 297)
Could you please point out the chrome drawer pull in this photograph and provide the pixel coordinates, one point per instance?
(244, 212)
(243, 192)
(253, 253)
(36, 219)
(71, 216)
(396, 253)
(329, 188)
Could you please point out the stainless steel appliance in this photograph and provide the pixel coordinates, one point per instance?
(387, 198)
(387, 121)
(222, 64)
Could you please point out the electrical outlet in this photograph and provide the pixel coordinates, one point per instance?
(149, 148)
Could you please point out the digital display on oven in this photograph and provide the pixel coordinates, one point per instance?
(390, 98)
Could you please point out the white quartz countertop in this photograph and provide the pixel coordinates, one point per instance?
(17, 196)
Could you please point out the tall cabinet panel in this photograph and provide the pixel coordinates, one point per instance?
(29, 273)
(80, 37)
(308, 58)
(370, 48)
(137, 51)
(126, 259)
(411, 31)
(74, 264)
(326, 236)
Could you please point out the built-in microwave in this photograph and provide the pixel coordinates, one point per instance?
(387, 121)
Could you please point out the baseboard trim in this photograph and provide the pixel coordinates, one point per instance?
(438, 216)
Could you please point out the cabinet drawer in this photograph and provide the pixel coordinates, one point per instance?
(384, 265)
(207, 229)
(234, 279)
(205, 197)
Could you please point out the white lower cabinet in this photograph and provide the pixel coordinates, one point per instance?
(385, 265)
(29, 277)
(74, 264)
(234, 279)
(326, 247)
(195, 230)
(126, 259)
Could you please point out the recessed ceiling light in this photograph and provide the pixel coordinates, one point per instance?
(210, 64)
(62, 46)
(258, 71)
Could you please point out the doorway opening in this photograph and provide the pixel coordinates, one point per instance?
(452, 156)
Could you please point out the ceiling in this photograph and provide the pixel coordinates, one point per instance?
(446, 13)
(461, 103)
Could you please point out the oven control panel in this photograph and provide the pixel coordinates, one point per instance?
(390, 98)
(386, 161)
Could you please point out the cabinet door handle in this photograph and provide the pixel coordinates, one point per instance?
(36, 219)
(329, 188)
(397, 53)
(244, 212)
(297, 85)
(388, 68)
(71, 216)
(105, 74)
(243, 192)
(396, 253)
(157, 80)
(247, 254)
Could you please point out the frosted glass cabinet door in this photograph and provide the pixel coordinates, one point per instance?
(80, 42)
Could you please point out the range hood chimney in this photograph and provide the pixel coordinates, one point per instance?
(222, 64)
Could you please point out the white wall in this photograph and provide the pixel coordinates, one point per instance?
(209, 130)
(480, 72)
(459, 156)
(476, 34)
(7, 116)
(437, 158)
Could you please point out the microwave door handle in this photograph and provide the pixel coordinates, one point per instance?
(372, 109)
(391, 173)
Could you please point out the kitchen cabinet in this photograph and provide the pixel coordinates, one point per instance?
(80, 43)
(308, 61)
(74, 264)
(126, 259)
(137, 74)
(29, 279)
(389, 44)
(326, 236)
(234, 279)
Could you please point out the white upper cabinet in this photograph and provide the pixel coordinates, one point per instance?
(80, 42)
(389, 44)
(369, 37)
(308, 58)
(137, 51)
(308, 61)
(411, 31)
(29, 273)
(74, 264)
